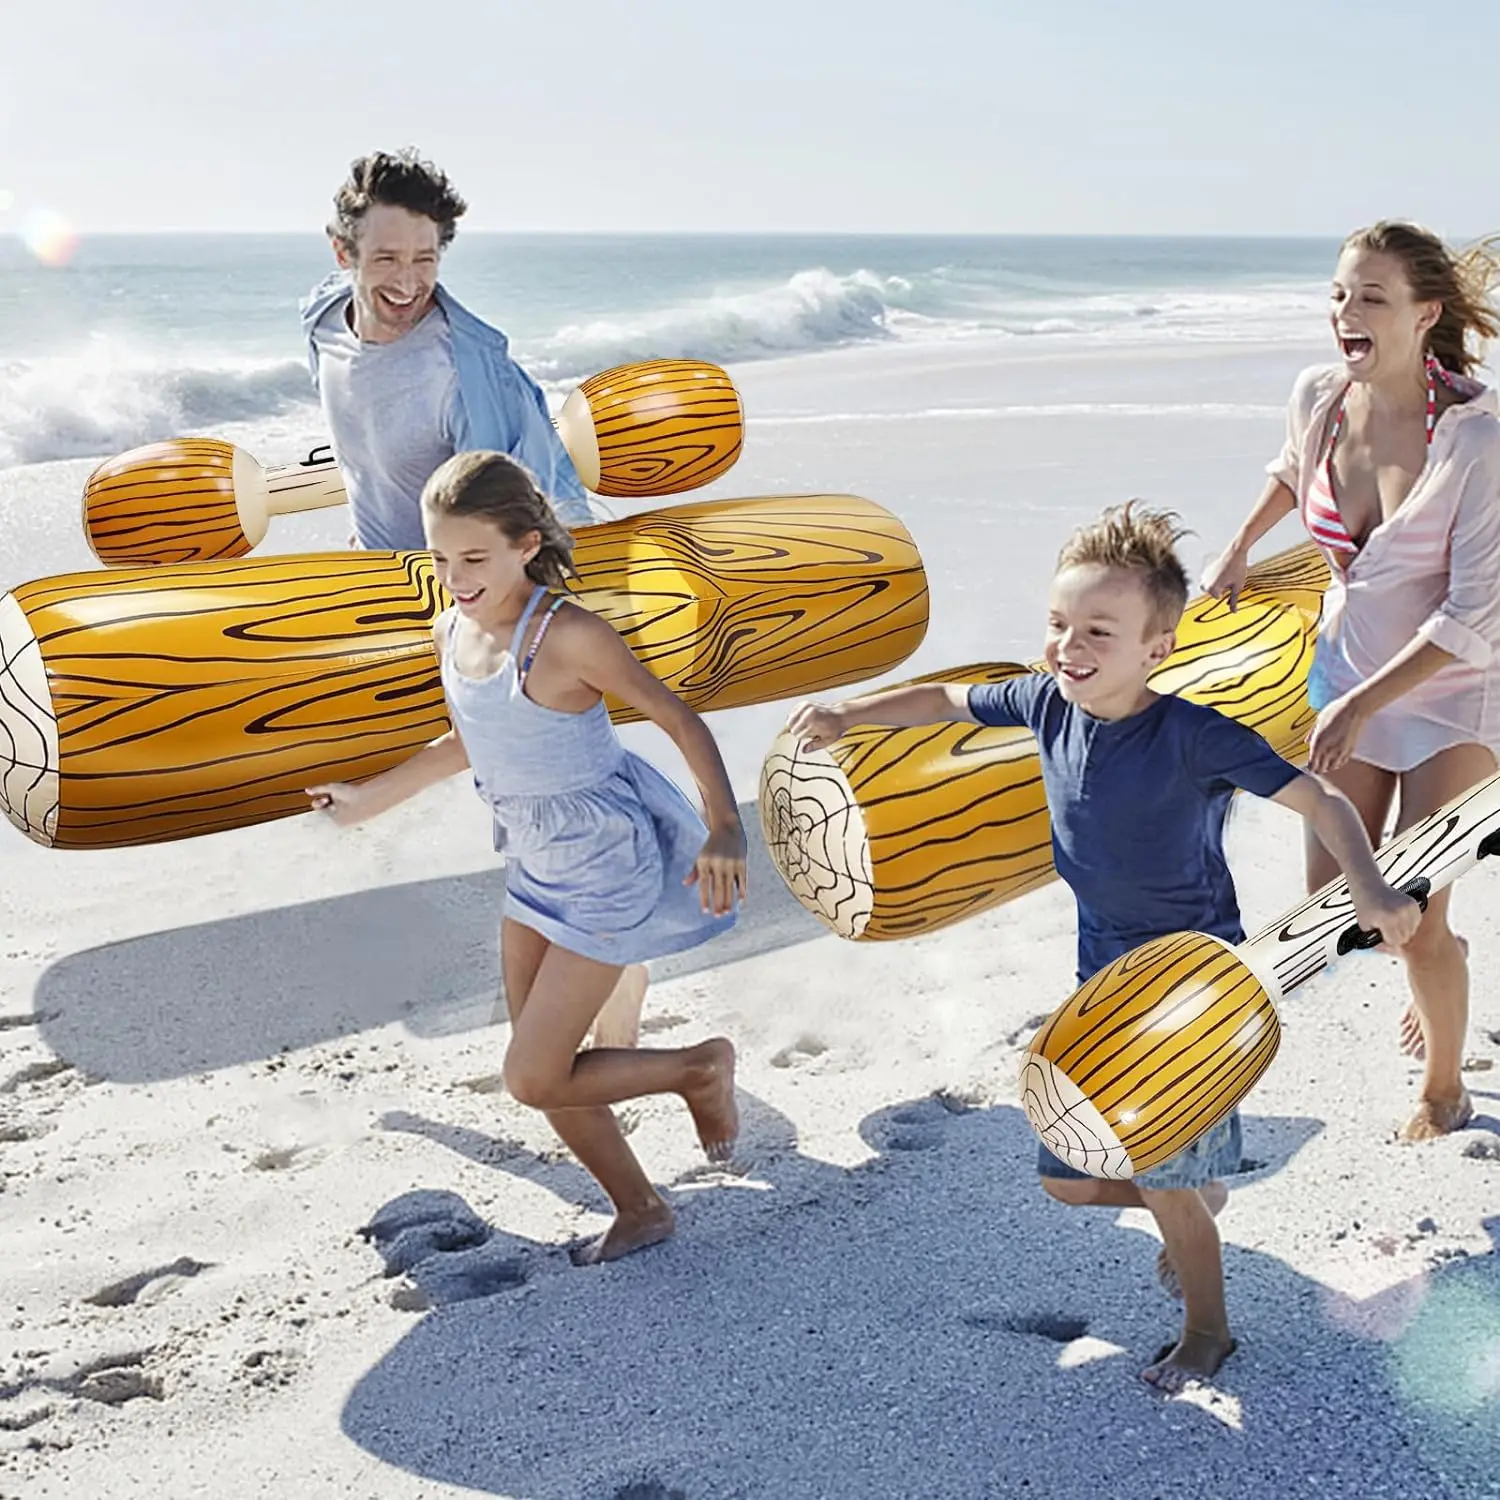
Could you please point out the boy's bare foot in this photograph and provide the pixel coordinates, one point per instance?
(1195, 1356)
(633, 1231)
(1215, 1195)
(1435, 1117)
(710, 1097)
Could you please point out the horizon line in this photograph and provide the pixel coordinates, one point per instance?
(472, 231)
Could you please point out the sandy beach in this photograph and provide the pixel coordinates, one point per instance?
(273, 1228)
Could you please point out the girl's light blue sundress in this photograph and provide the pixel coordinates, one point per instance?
(597, 841)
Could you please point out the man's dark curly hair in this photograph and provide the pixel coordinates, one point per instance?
(398, 179)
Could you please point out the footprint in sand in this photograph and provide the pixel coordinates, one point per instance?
(652, 1024)
(918, 1127)
(284, 1159)
(111, 1379)
(444, 1250)
(1058, 1327)
(160, 1279)
(1486, 1148)
(37, 1072)
(28, 1416)
(26, 1131)
(28, 1018)
(269, 1367)
(961, 1101)
(803, 1050)
(488, 1083)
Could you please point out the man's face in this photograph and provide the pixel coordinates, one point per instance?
(394, 261)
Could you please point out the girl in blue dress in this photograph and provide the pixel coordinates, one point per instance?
(607, 863)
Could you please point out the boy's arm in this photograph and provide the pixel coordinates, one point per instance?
(820, 724)
(1333, 817)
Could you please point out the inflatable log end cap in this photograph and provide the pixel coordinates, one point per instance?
(575, 426)
(30, 782)
(1069, 1125)
(815, 830)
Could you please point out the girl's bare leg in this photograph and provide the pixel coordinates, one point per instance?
(554, 996)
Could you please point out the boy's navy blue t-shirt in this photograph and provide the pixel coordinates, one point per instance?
(1138, 808)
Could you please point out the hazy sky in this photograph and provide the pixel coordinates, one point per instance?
(1275, 117)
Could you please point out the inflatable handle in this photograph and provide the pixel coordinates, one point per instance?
(1354, 936)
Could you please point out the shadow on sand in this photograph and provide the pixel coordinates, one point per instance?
(191, 999)
(927, 1324)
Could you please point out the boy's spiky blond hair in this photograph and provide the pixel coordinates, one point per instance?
(1141, 541)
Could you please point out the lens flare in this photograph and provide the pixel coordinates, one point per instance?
(49, 237)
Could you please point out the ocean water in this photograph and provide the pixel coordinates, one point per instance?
(136, 338)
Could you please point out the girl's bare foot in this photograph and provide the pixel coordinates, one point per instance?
(633, 1231)
(1435, 1117)
(710, 1097)
(1215, 1195)
(1195, 1356)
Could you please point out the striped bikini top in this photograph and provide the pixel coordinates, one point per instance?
(1320, 510)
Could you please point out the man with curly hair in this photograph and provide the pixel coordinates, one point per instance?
(406, 376)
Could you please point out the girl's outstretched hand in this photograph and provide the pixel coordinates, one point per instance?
(817, 725)
(720, 871)
(343, 801)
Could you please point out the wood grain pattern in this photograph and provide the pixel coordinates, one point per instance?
(1159, 1046)
(662, 426)
(651, 429)
(891, 833)
(1162, 1043)
(167, 502)
(186, 699)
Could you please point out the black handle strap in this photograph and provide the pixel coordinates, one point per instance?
(1419, 888)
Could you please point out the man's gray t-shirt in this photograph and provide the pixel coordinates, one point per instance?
(388, 408)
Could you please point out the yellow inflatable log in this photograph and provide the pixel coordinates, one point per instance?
(1159, 1046)
(655, 428)
(160, 703)
(651, 429)
(890, 833)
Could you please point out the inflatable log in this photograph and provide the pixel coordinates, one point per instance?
(160, 703)
(660, 427)
(1159, 1046)
(646, 430)
(891, 833)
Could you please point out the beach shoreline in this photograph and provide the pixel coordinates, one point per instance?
(224, 1058)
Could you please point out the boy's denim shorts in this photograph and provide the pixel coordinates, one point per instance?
(1216, 1153)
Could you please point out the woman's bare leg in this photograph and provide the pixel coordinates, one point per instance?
(1437, 963)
